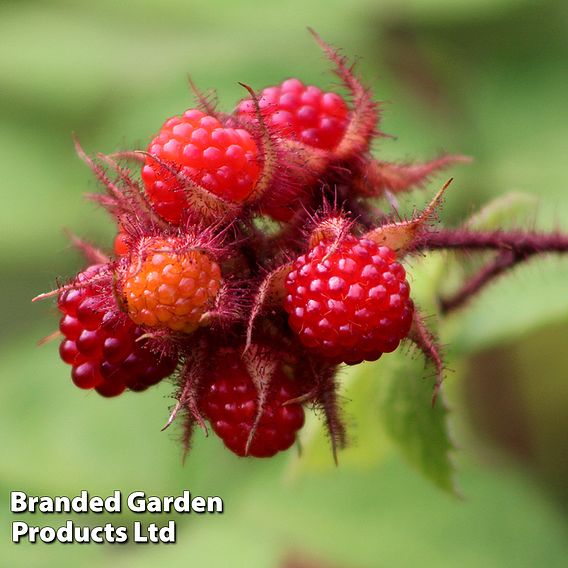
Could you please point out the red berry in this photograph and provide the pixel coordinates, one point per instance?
(303, 113)
(222, 160)
(98, 344)
(110, 389)
(121, 244)
(86, 375)
(230, 402)
(349, 303)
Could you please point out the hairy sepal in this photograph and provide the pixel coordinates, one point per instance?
(402, 236)
(319, 378)
(332, 229)
(375, 177)
(206, 101)
(287, 168)
(99, 276)
(228, 309)
(123, 197)
(271, 292)
(188, 392)
(261, 364)
(202, 205)
(364, 113)
(90, 252)
(426, 341)
(300, 168)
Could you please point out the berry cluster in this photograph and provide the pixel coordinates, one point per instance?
(249, 262)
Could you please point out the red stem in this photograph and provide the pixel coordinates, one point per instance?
(514, 246)
(504, 261)
(523, 243)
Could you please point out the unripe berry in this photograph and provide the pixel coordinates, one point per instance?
(223, 160)
(302, 113)
(349, 303)
(102, 346)
(230, 403)
(166, 287)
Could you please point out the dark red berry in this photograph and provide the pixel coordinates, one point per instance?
(303, 113)
(68, 351)
(110, 389)
(86, 375)
(349, 303)
(230, 403)
(70, 327)
(100, 345)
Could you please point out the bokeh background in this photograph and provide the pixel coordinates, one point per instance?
(486, 78)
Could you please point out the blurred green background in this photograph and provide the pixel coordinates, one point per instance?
(486, 78)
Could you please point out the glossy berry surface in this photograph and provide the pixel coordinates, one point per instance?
(170, 288)
(230, 403)
(102, 349)
(303, 113)
(120, 244)
(349, 303)
(222, 160)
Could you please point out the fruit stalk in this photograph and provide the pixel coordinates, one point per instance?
(513, 247)
(523, 243)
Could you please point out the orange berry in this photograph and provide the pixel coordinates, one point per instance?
(166, 286)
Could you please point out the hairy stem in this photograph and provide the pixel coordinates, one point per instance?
(513, 247)
(522, 243)
(487, 274)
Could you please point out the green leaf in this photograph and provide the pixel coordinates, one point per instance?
(505, 210)
(419, 429)
(354, 518)
(368, 443)
(531, 297)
